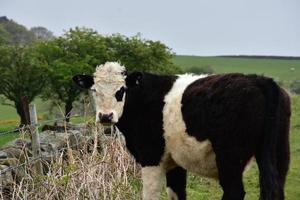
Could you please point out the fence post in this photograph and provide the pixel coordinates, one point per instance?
(35, 140)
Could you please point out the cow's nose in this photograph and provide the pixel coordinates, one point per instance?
(105, 118)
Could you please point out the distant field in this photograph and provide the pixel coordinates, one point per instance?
(276, 68)
(9, 119)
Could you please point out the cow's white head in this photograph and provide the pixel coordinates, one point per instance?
(108, 85)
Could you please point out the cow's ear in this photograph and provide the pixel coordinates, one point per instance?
(134, 79)
(84, 81)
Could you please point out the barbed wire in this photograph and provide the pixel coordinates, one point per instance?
(17, 130)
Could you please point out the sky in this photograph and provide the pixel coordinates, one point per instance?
(188, 27)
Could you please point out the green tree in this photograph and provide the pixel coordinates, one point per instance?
(141, 55)
(4, 36)
(21, 74)
(78, 51)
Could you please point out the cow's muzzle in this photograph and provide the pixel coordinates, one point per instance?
(106, 119)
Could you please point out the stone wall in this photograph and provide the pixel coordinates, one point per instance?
(17, 154)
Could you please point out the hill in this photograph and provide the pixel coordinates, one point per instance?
(13, 33)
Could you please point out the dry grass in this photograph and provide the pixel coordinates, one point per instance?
(110, 174)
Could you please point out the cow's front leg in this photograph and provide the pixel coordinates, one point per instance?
(153, 177)
(176, 183)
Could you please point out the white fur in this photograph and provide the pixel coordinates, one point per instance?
(171, 194)
(152, 177)
(185, 150)
(108, 79)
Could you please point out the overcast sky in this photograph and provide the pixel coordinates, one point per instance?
(191, 27)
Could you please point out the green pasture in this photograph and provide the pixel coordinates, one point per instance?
(284, 70)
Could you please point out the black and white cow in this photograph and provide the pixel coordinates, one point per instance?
(209, 125)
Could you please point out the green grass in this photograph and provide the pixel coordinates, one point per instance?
(9, 112)
(278, 69)
(8, 137)
(9, 119)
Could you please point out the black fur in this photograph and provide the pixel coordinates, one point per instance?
(120, 93)
(134, 79)
(142, 120)
(84, 81)
(239, 115)
(176, 180)
(273, 153)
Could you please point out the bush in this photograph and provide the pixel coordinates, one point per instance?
(207, 69)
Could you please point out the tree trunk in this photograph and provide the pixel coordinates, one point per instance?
(68, 109)
(20, 110)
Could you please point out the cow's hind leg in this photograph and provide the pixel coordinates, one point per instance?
(230, 177)
(176, 184)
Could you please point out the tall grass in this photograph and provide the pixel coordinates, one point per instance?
(110, 174)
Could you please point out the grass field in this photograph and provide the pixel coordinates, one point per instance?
(278, 69)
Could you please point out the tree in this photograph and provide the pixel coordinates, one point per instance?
(41, 33)
(4, 36)
(141, 55)
(21, 74)
(78, 51)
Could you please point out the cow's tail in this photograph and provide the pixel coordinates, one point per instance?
(273, 153)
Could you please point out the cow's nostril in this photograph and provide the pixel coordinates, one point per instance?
(106, 118)
(110, 116)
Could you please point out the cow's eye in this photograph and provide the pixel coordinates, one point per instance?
(119, 94)
(93, 89)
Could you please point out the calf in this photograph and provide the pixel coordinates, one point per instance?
(209, 125)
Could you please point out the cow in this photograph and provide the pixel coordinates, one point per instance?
(209, 125)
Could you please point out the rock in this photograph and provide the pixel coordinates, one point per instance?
(53, 139)
(3, 154)
(20, 154)
(6, 179)
(9, 162)
(19, 143)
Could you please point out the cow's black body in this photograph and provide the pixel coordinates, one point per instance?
(242, 116)
(141, 122)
